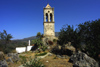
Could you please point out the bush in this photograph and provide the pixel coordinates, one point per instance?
(44, 47)
(41, 54)
(7, 50)
(54, 40)
(38, 42)
(23, 59)
(31, 62)
(55, 57)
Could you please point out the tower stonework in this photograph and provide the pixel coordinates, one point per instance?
(49, 29)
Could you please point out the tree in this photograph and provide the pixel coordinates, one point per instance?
(5, 38)
(65, 35)
(38, 34)
(37, 42)
(68, 34)
(90, 32)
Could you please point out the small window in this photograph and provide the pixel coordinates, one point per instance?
(48, 11)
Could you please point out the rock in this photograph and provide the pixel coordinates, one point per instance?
(3, 63)
(68, 50)
(10, 54)
(59, 47)
(47, 61)
(42, 65)
(69, 43)
(62, 57)
(1, 55)
(50, 54)
(71, 48)
(58, 56)
(48, 48)
(9, 60)
(15, 57)
(81, 59)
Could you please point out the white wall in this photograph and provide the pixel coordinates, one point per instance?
(29, 48)
(23, 49)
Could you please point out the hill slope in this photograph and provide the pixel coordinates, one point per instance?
(33, 37)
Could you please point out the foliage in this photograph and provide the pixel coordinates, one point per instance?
(54, 40)
(55, 57)
(68, 34)
(9, 45)
(44, 47)
(41, 54)
(29, 62)
(37, 42)
(39, 35)
(90, 32)
(87, 33)
(5, 39)
(23, 58)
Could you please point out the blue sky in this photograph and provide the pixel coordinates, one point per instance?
(24, 18)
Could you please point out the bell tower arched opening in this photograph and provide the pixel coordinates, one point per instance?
(46, 17)
(49, 29)
(50, 17)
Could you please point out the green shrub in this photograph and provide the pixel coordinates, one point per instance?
(23, 59)
(44, 47)
(7, 50)
(54, 40)
(38, 42)
(41, 54)
(29, 62)
(55, 57)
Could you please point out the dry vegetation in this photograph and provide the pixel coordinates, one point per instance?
(48, 61)
(53, 61)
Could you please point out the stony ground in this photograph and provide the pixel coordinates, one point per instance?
(52, 61)
(48, 61)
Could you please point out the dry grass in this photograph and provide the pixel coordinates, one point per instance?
(53, 61)
(26, 54)
(14, 64)
(56, 62)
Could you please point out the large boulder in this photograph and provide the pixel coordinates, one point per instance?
(68, 49)
(14, 56)
(81, 59)
(1, 55)
(3, 63)
(9, 60)
(10, 54)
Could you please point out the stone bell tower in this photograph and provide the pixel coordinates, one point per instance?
(48, 23)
